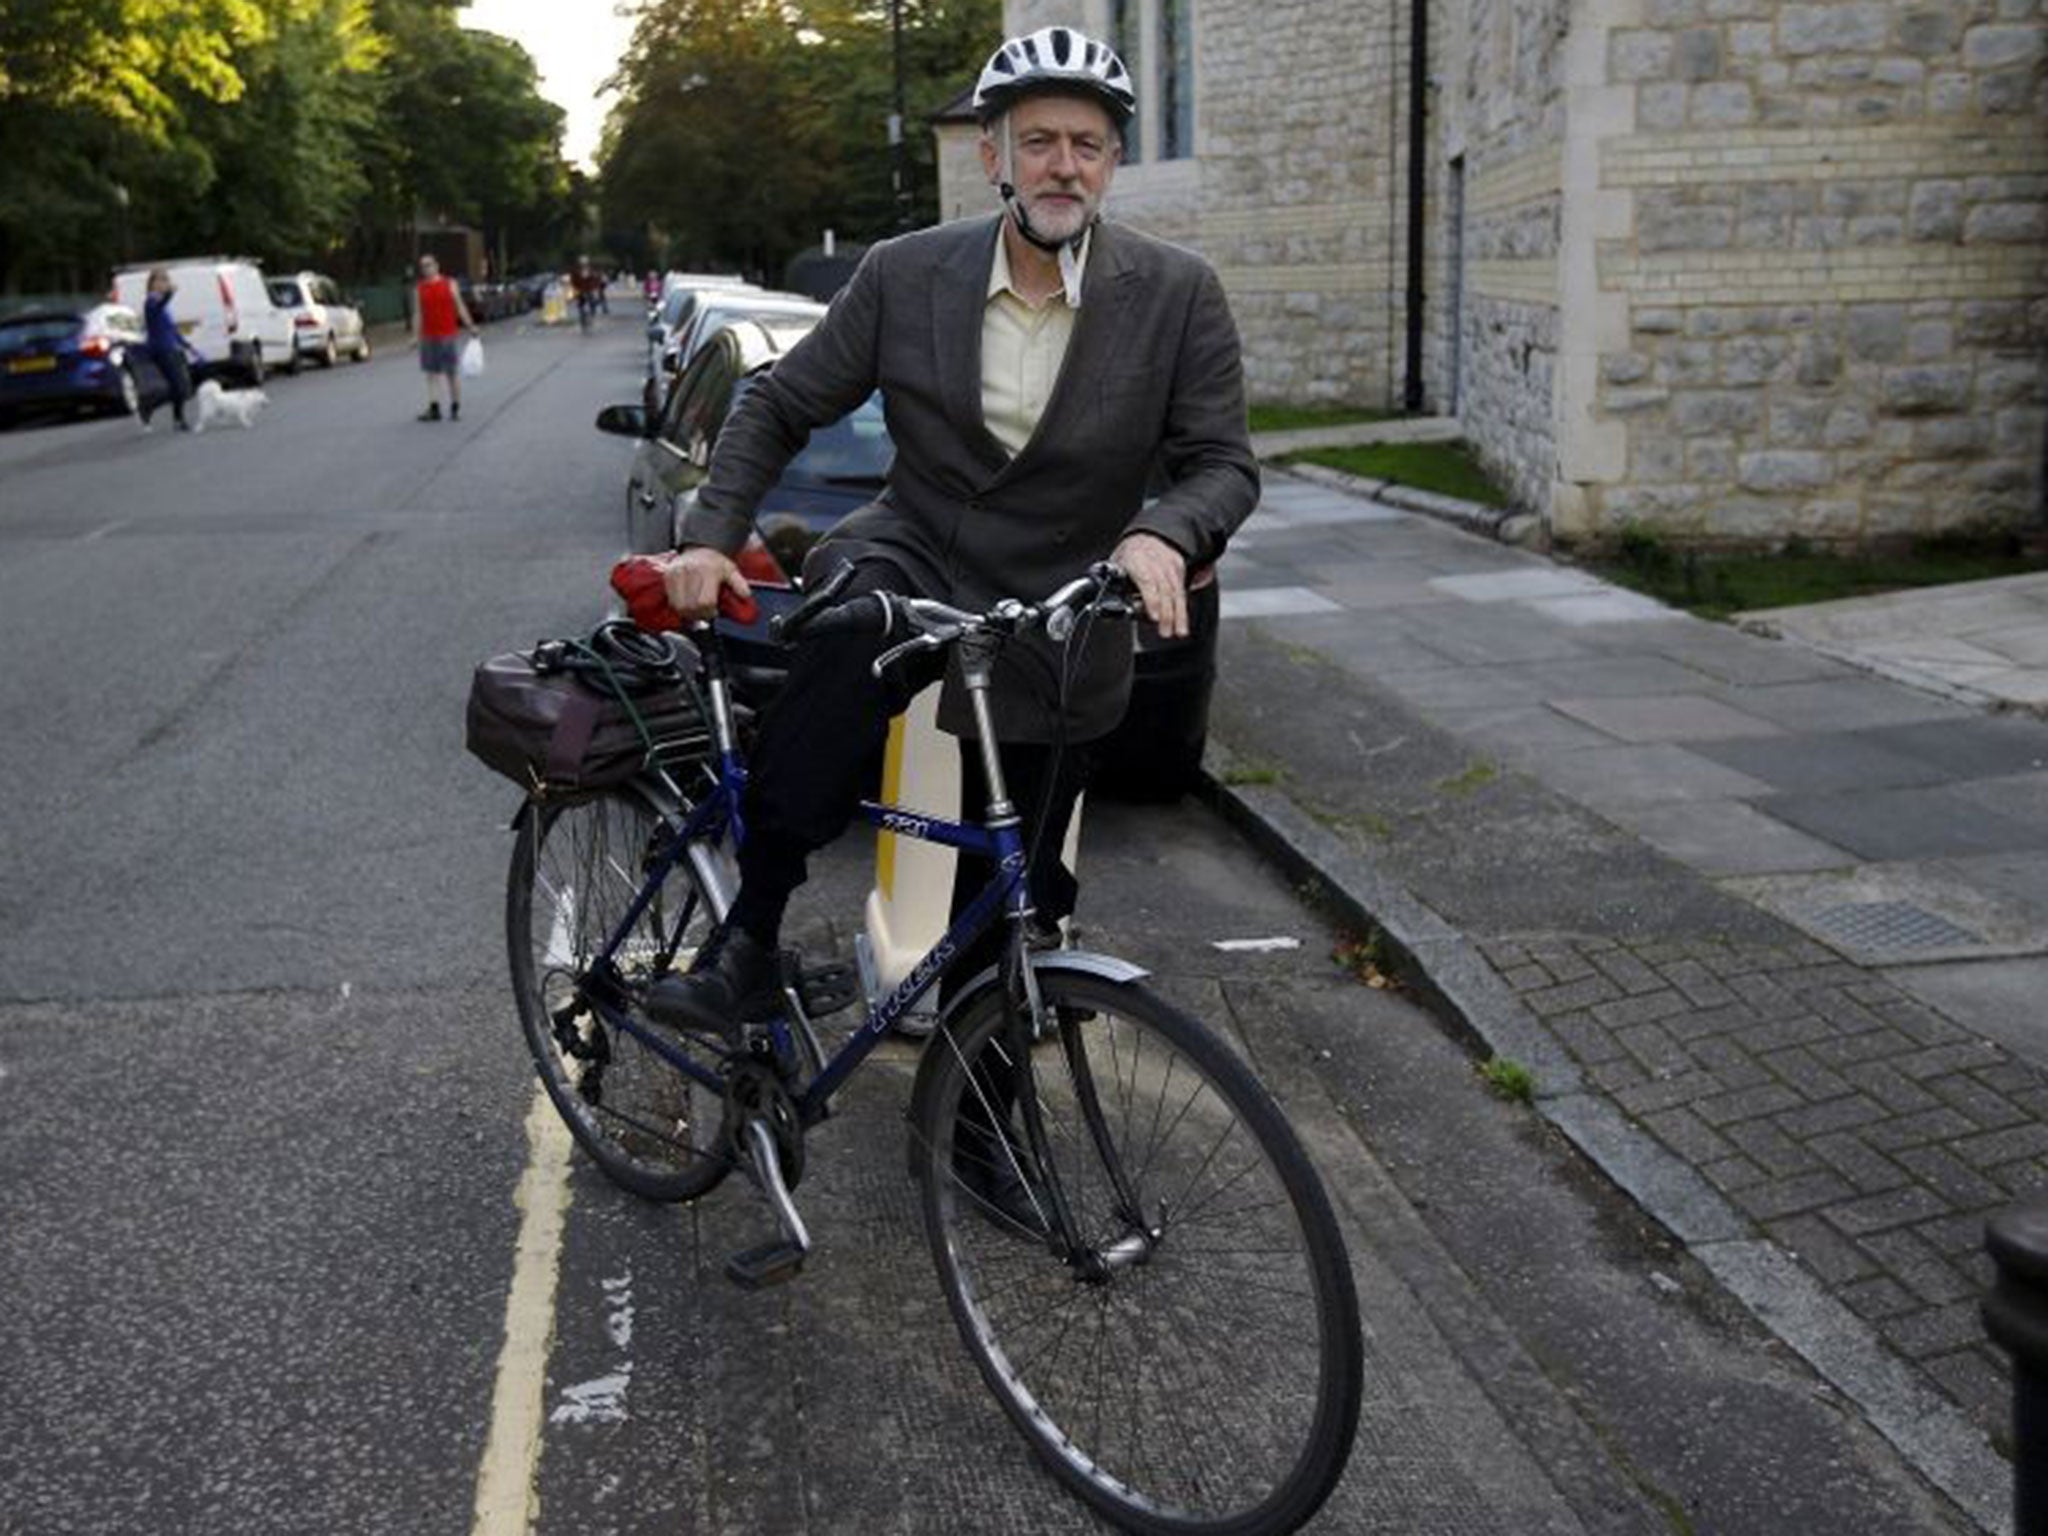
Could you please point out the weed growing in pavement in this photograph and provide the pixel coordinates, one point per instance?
(1369, 960)
(1476, 776)
(1509, 1079)
(1250, 774)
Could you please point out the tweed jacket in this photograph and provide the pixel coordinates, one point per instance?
(1151, 391)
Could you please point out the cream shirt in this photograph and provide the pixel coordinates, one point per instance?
(1021, 349)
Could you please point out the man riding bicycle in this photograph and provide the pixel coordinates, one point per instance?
(1038, 368)
(589, 285)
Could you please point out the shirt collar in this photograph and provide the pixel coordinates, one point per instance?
(1071, 268)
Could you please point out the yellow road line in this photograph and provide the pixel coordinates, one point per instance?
(505, 1495)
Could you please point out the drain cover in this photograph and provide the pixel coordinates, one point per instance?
(1887, 927)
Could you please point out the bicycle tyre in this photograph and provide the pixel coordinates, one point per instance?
(576, 867)
(1210, 1389)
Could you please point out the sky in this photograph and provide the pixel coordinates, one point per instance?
(575, 44)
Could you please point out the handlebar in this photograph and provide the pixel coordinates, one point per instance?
(929, 625)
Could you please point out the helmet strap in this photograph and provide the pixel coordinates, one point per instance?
(1068, 251)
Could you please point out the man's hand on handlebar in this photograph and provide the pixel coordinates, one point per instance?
(1160, 573)
(694, 577)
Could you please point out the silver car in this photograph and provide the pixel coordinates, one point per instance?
(324, 323)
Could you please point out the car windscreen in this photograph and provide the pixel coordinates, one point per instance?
(36, 331)
(284, 295)
(854, 451)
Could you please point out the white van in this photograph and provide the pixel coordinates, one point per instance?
(223, 307)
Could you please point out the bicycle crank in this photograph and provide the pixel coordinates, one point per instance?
(768, 1142)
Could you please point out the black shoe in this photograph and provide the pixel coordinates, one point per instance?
(997, 1176)
(432, 412)
(455, 410)
(735, 977)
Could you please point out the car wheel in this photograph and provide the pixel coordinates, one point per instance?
(329, 356)
(256, 370)
(294, 359)
(363, 348)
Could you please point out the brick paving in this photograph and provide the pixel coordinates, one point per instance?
(1867, 1135)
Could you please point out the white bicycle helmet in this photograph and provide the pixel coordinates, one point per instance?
(1051, 59)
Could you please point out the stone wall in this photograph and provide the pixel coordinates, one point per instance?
(1292, 192)
(1836, 281)
(1503, 120)
(1737, 269)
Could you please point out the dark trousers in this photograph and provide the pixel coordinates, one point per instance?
(177, 382)
(819, 750)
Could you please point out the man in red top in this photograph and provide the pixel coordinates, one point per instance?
(439, 319)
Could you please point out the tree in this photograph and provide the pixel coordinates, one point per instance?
(90, 91)
(746, 127)
(293, 130)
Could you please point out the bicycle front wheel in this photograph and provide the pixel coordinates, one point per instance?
(576, 869)
(1195, 1364)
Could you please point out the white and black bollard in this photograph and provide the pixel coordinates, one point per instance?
(2016, 1315)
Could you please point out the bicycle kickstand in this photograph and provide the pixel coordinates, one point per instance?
(777, 1260)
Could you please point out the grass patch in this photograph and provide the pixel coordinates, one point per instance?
(1292, 418)
(1252, 773)
(1446, 468)
(1509, 1079)
(1717, 585)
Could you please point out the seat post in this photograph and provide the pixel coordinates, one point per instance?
(977, 655)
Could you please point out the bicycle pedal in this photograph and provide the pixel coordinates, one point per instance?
(767, 1264)
(827, 988)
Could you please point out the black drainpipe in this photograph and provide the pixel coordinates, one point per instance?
(1418, 91)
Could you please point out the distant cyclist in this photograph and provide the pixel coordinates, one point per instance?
(589, 285)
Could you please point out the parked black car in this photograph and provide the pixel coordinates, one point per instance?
(1154, 754)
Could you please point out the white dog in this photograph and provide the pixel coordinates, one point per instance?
(237, 405)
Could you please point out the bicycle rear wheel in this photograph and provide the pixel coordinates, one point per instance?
(575, 870)
(1196, 1366)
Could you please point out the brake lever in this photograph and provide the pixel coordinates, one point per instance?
(895, 653)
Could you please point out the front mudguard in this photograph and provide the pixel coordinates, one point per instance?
(1082, 962)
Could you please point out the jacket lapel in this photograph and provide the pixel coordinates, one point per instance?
(1106, 291)
(959, 295)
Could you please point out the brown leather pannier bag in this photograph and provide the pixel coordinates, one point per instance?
(571, 717)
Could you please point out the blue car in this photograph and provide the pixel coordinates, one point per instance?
(1153, 755)
(64, 360)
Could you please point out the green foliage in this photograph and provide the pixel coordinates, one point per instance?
(291, 130)
(1717, 584)
(745, 128)
(1450, 469)
(1289, 418)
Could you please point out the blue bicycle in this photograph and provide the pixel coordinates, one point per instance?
(1160, 1299)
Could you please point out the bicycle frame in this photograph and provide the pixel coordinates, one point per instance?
(711, 819)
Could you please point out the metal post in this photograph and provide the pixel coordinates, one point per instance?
(899, 147)
(2016, 1316)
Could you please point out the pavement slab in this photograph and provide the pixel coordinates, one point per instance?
(1764, 948)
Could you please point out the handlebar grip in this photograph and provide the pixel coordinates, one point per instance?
(867, 614)
(789, 625)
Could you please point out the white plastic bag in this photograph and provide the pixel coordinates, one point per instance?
(472, 362)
